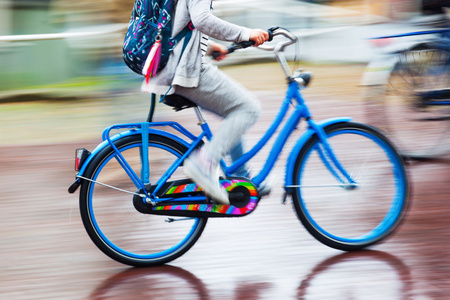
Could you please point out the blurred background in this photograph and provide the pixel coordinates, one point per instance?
(45, 43)
(66, 50)
(63, 80)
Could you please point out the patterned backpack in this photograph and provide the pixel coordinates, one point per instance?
(148, 41)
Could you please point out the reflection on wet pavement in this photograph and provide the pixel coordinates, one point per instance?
(344, 276)
(357, 275)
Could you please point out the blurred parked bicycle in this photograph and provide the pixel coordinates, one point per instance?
(408, 91)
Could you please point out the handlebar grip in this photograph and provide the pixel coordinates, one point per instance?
(233, 48)
(215, 55)
(241, 45)
(270, 31)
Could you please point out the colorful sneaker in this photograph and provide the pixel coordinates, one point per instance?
(205, 173)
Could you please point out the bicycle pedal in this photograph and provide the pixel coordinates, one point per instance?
(285, 195)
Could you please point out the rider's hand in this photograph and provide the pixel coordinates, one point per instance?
(215, 47)
(259, 36)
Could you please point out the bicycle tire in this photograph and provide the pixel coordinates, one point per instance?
(111, 220)
(351, 219)
(420, 130)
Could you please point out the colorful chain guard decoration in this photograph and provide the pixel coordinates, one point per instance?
(215, 208)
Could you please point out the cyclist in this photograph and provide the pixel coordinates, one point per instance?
(435, 13)
(433, 7)
(190, 76)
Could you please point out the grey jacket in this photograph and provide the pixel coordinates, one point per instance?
(185, 71)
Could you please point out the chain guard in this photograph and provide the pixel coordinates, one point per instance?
(243, 197)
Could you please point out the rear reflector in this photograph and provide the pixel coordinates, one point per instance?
(80, 157)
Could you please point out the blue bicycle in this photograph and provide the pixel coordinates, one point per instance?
(348, 183)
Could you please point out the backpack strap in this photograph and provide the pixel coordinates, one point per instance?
(189, 28)
(186, 33)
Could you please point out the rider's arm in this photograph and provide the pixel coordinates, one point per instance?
(207, 23)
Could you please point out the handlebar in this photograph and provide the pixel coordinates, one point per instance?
(273, 31)
(278, 48)
(234, 47)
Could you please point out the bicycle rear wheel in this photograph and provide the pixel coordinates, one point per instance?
(110, 218)
(417, 119)
(348, 218)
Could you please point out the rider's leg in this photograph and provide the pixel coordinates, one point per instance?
(266, 186)
(223, 96)
(235, 153)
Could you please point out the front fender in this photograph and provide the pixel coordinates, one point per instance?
(289, 175)
(123, 134)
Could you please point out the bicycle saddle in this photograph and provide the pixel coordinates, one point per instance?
(178, 102)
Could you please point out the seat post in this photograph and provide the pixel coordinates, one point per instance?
(200, 117)
(152, 108)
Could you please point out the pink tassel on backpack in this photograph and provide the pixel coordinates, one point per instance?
(151, 65)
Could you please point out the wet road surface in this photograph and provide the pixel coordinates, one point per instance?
(46, 254)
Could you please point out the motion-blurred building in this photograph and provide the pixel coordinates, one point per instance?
(45, 42)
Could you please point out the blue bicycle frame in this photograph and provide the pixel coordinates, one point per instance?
(293, 96)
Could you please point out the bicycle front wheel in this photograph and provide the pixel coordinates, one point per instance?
(350, 217)
(108, 213)
(414, 109)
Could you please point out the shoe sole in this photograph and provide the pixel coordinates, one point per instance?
(191, 171)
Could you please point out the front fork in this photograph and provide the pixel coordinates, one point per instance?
(329, 159)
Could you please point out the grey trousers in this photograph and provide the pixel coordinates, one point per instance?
(223, 96)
